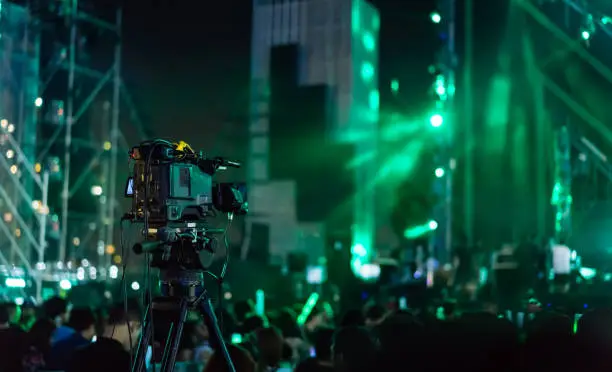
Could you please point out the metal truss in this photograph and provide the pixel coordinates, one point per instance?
(35, 235)
(21, 178)
(468, 122)
(116, 140)
(76, 18)
(569, 135)
(539, 16)
(446, 62)
(603, 21)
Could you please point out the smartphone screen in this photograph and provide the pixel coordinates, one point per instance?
(129, 188)
(315, 274)
(148, 357)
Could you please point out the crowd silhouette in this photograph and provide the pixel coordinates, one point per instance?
(375, 338)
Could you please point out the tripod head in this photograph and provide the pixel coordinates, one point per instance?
(188, 248)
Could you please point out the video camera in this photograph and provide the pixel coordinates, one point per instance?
(172, 184)
(173, 194)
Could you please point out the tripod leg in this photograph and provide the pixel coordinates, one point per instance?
(207, 311)
(174, 339)
(139, 362)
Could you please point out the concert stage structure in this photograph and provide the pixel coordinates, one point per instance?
(331, 48)
(525, 133)
(558, 102)
(49, 86)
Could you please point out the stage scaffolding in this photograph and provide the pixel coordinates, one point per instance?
(444, 88)
(570, 133)
(27, 166)
(23, 190)
(76, 18)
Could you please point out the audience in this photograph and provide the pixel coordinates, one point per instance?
(14, 312)
(82, 321)
(11, 342)
(352, 317)
(322, 359)
(458, 336)
(56, 309)
(269, 343)
(353, 349)
(28, 315)
(197, 332)
(112, 350)
(242, 360)
(374, 315)
(37, 349)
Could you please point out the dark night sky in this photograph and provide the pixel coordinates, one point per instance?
(188, 67)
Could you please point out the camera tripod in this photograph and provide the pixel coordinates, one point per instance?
(181, 291)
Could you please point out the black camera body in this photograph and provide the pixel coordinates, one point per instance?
(172, 184)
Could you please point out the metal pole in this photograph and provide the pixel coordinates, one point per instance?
(134, 115)
(571, 43)
(68, 137)
(451, 135)
(85, 173)
(42, 232)
(21, 122)
(102, 217)
(21, 222)
(114, 136)
(443, 238)
(24, 193)
(15, 247)
(103, 200)
(468, 107)
(28, 166)
(562, 199)
(42, 237)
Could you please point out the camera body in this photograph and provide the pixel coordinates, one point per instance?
(174, 192)
(173, 184)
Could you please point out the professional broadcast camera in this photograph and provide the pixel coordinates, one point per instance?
(173, 195)
(173, 184)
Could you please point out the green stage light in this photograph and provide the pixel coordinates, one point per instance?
(435, 17)
(395, 86)
(436, 120)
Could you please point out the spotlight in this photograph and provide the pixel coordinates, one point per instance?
(586, 35)
(96, 190)
(435, 17)
(436, 120)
